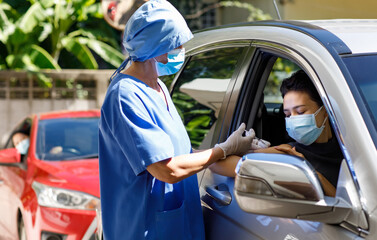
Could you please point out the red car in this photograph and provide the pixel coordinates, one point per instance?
(49, 177)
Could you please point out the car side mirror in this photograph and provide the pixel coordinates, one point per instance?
(10, 156)
(284, 186)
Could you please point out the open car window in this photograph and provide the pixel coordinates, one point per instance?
(263, 112)
(24, 127)
(273, 122)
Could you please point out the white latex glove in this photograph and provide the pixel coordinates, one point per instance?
(257, 143)
(236, 144)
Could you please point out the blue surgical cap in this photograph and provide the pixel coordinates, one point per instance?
(154, 29)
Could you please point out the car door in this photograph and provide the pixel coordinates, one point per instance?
(11, 186)
(256, 100)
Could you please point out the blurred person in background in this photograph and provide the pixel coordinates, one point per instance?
(21, 142)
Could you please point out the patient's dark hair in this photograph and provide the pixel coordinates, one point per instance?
(300, 81)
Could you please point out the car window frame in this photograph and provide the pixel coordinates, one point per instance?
(304, 64)
(299, 60)
(252, 88)
(9, 143)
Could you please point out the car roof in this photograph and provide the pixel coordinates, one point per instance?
(345, 36)
(360, 35)
(69, 114)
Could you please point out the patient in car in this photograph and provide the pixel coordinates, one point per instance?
(307, 122)
(21, 142)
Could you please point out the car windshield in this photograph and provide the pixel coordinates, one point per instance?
(364, 74)
(67, 139)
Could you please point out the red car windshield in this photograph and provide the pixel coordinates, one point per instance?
(67, 139)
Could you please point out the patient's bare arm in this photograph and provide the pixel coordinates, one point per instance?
(226, 167)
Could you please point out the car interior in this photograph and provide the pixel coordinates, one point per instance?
(261, 105)
(264, 113)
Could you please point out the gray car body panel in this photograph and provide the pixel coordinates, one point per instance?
(329, 75)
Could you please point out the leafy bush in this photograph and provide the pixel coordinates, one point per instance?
(50, 34)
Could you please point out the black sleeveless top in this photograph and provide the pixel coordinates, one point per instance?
(324, 157)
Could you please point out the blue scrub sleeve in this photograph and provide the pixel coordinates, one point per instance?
(141, 140)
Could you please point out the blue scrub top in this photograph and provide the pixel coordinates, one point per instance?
(137, 129)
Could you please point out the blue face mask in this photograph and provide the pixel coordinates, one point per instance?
(176, 58)
(23, 146)
(303, 128)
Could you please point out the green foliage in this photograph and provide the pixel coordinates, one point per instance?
(200, 14)
(82, 52)
(282, 69)
(197, 118)
(32, 38)
(255, 14)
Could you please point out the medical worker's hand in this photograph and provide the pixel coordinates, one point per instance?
(257, 142)
(236, 144)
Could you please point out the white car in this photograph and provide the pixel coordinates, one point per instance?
(232, 74)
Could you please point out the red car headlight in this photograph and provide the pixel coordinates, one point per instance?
(62, 198)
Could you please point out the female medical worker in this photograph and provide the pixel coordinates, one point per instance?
(149, 189)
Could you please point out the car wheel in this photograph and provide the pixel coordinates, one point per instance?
(21, 230)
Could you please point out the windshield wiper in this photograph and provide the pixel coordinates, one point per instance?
(89, 156)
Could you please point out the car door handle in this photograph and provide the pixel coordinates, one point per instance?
(220, 193)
